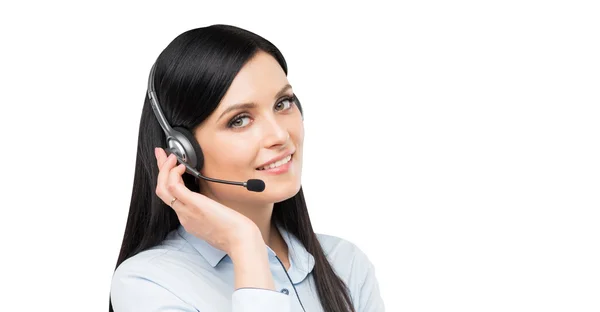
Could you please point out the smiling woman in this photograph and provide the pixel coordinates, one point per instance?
(220, 104)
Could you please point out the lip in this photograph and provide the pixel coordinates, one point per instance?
(279, 170)
(280, 157)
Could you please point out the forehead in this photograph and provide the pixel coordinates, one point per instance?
(258, 80)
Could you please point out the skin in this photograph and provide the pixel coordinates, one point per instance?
(228, 217)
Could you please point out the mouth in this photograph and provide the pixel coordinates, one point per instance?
(279, 166)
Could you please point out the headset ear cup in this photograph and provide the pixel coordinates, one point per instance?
(196, 150)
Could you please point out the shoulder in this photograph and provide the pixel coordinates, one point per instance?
(140, 281)
(334, 247)
(147, 267)
(345, 256)
(355, 269)
(158, 272)
(149, 263)
(144, 264)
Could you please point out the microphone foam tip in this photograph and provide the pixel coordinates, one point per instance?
(255, 185)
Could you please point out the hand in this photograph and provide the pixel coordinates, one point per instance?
(218, 225)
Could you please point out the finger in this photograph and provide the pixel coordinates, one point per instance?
(163, 175)
(174, 180)
(161, 156)
(177, 188)
(174, 177)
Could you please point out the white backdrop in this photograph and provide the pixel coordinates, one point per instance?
(456, 142)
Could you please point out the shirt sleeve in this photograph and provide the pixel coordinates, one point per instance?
(259, 299)
(133, 293)
(371, 300)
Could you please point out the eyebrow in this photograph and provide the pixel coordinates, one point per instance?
(253, 105)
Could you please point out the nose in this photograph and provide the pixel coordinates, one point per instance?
(275, 133)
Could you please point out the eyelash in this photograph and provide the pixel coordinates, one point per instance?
(292, 100)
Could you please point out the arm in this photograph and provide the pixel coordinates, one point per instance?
(370, 298)
(251, 263)
(255, 289)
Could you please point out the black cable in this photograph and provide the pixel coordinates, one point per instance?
(296, 291)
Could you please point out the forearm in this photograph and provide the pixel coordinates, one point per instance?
(251, 265)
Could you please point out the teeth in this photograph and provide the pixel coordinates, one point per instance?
(277, 163)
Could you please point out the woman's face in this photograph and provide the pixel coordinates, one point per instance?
(255, 123)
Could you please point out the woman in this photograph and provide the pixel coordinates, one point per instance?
(196, 245)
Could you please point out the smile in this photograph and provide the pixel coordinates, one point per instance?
(280, 166)
(276, 164)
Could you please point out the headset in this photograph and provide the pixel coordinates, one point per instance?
(182, 143)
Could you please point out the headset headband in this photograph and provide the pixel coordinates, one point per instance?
(155, 107)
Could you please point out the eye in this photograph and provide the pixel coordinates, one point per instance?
(284, 104)
(238, 122)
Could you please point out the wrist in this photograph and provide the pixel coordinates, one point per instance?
(251, 264)
(250, 244)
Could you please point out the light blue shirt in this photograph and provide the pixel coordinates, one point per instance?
(185, 273)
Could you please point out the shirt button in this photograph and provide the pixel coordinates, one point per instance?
(285, 291)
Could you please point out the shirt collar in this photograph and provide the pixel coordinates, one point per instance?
(211, 254)
(301, 261)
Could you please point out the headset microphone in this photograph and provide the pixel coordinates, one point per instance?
(254, 185)
(182, 143)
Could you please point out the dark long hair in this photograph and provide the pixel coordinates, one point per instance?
(192, 75)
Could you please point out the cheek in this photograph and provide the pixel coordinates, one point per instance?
(225, 155)
(298, 133)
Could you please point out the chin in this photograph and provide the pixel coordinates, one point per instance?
(280, 193)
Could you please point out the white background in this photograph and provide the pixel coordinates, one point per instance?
(456, 142)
